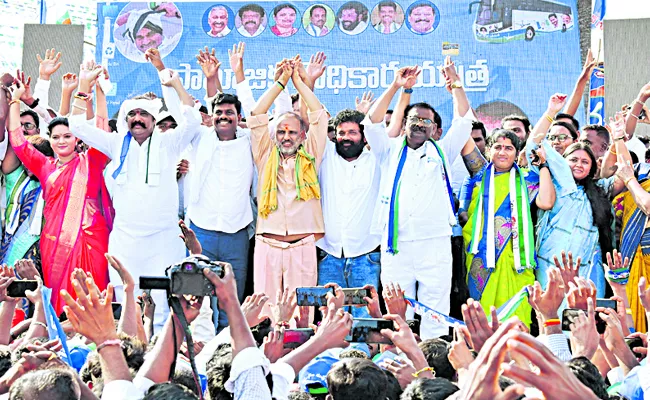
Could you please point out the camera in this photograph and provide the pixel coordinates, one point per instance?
(186, 277)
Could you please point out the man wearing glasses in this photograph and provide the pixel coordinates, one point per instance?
(415, 212)
(29, 121)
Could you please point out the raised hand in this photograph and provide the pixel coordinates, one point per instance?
(171, 79)
(236, 57)
(189, 237)
(568, 270)
(273, 345)
(316, 66)
(4, 284)
(579, 291)
(299, 71)
(367, 100)
(334, 328)
(252, 306)
(412, 74)
(27, 83)
(125, 276)
(402, 370)
(556, 104)
(149, 306)
(373, 302)
(89, 74)
(394, 299)
(617, 125)
(17, 90)
(91, 316)
(208, 62)
(402, 336)
(338, 297)
(26, 269)
(49, 64)
(283, 71)
(35, 296)
(478, 327)
(644, 93)
(459, 355)
(69, 83)
(285, 305)
(589, 65)
(153, 56)
(584, 336)
(449, 70)
(615, 263)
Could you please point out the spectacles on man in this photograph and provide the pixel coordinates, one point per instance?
(559, 138)
(416, 120)
(28, 126)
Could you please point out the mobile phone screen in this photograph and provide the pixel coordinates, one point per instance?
(368, 330)
(313, 296)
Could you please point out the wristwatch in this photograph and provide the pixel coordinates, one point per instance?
(543, 165)
(409, 91)
(457, 85)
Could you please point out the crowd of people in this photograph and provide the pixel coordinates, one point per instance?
(486, 258)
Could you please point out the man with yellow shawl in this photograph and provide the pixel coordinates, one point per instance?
(499, 232)
(290, 217)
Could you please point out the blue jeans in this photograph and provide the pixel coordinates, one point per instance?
(231, 248)
(353, 272)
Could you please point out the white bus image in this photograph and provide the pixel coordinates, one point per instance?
(500, 21)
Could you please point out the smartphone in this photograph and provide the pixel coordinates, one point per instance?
(294, 338)
(633, 342)
(568, 316)
(313, 296)
(605, 303)
(367, 330)
(354, 296)
(18, 288)
(117, 310)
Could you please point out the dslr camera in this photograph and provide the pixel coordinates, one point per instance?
(186, 277)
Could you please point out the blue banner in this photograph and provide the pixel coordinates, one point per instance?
(597, 96)
(506, 51)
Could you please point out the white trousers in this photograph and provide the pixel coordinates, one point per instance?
(428, 263)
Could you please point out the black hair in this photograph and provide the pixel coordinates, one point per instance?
(358, 8)
(169, 391)
(112, 123)
(45, 384)
(353, 353)
(504, 133)
(277, 8)
(299, 396)
(601, 207)
(295, 97)
(349, 115)
(436, 118)
(218, 372)
(203, 109)
(436, 352)
(133, 349)
(422, 4)
(251, 7)
(390, 4)
(393, 389)
(588, 374)
(152, 27)
(5, 359)
(56, 122)
(552, 15)
(227, 98)
(184, 377)
(41, 144)
(478, 125)
(523, 119)
(429, 389)
(261, 330)
(572, 130)
(601, 131)
(356, 378)
(574, 121)
(34, 116)
(311, 10)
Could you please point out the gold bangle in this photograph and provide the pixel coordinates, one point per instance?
(427, 369)
(610, 150)
(628, 180)
(14, 101)
(549, 118)
(39, 323)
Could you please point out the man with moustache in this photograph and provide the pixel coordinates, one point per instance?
(352, 18)
(317, 18)
(387, 11)
(422, 17)
(415, 211)
(219, 209)
(144, 188)
(251, 16)
(218, 22)
(350, 176)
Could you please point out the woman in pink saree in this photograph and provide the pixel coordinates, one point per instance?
(77, 207)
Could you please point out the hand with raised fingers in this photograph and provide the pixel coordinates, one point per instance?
(460, 357)
(402, 370)
(316, 66)
(568, 269)
(252, 306)
(35, 296)
(478, 326)
(69, 83)
(189, 238)
(402, 336)
(26, 269)
(556, 104)
(617, 270)
(367, 100)
(335, 327)
(411, 75)
(449, 70)
(373, 302)
(91, 316)
(547, 302)
(153, 56)
(584, 336)
(209, 63)
(273, 345)
(148, 305)
(589, 65)
(88, 75)
(236, 57)
(579, 291)
(284, 306)
(394, 300)
(170, 78)
(49, 64)
(26, 82)
(125, 275)
(283, 71)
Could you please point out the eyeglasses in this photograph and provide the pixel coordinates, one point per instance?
(167, 125)
(28, 126)
(135, 112)
(416, 120)
(560, 138)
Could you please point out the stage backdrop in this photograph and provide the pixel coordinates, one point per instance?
(511, 54)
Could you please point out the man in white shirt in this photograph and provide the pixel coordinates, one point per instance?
(353, 18)
(349, 178)
(387, 12)
(145, 191)
(218, 22)
(317, 20)
(415, 209)
(251, 16)
(220, 182)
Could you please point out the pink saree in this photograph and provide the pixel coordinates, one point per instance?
(77, 214)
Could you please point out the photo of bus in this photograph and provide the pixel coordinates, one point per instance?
(500, 21)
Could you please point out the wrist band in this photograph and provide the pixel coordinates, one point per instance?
(549, 118)
(39, 323)
(34, 104)
(283, 323)
(620, 275)
(427, 369)
(639, 101)
(112, 342)
(619, 138)
(13, 102)
(552, 322)
(280, 84)
(409, 91)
